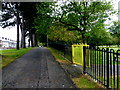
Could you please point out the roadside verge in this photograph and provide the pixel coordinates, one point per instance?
(74, 72)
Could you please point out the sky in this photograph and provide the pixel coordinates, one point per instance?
(12, 32)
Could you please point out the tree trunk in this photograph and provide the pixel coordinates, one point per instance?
(23, 39)
(34, 39)
(83, 37)
(23, 44)
(36, 43)
(17, 22)
(29, 42)
(21, 36)
(31, 38)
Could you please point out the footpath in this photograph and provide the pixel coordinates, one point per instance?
(35, 69)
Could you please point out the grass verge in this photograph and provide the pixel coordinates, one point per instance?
(85, 82)
(55, 53)
(10, 55)
(80, 80)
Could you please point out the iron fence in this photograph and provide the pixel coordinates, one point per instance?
(104, 65)
(65, 50)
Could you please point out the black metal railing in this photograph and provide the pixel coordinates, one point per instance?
(104, 66)
(64, 49)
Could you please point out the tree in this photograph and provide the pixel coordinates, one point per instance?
(44, 20)
(28, 14)
(98, 37)
(115, 28)
(11, 10)
(59, 34)
(83, 16)
(24, 15)
(115, 32)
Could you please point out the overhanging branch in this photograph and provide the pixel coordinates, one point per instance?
(67, 24)
(74, 29)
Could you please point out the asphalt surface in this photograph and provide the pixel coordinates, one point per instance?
(36, 69)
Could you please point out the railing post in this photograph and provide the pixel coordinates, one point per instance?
(64, 50)
(72, 53)
(84, 64)
(107, 57)
(118, 68)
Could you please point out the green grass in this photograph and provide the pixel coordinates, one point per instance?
(68, 53)
(80, 82)
(90, 55)
(111, 81)
(99, 57)
(84, 82)
(77, 58)
(111, 47)
(78, 55)
(10, 55)
(56, 53)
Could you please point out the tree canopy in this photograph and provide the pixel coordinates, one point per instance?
(22, 15)
(115, 32)
(87, 18)
(66, 22)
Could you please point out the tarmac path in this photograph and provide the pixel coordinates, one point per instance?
(35, 69)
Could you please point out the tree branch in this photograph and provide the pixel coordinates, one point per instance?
(73, 29)
(60, 20)
(11, 9)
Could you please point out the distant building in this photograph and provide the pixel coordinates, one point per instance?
(7, 43)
